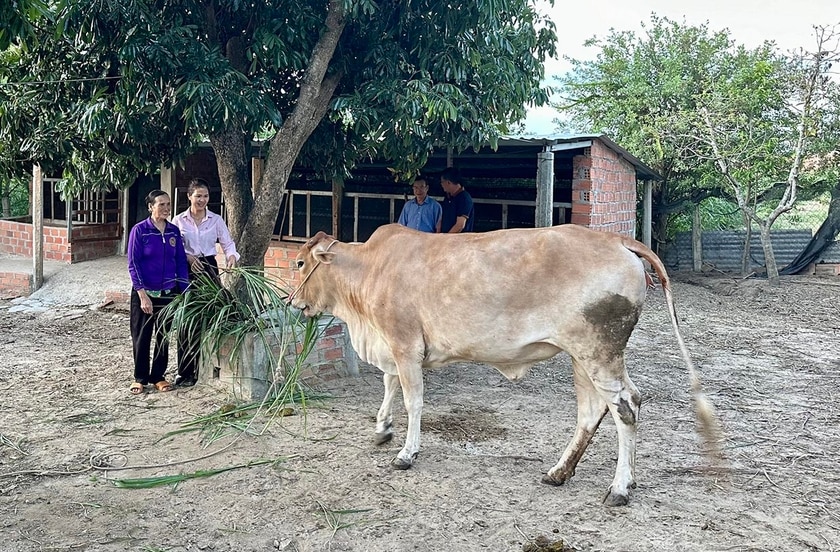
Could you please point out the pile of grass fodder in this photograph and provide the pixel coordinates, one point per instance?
(255, 308)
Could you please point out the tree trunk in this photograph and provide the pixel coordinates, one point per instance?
(233, 159)
(745, 252)
(769, 256)
(253, 218)
(5, 202)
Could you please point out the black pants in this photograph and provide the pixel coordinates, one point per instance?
(189, 341)
(143, 327)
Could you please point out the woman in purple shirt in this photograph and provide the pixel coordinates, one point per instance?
(157, 264)
(200, 230)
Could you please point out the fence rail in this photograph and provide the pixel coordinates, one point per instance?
(395, 202)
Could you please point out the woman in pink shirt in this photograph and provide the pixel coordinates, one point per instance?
(200, 229)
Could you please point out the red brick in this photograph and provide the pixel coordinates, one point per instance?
(333, 354)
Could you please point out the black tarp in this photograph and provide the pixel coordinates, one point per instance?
(822, 238)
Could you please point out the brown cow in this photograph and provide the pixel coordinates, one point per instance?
(508, 298)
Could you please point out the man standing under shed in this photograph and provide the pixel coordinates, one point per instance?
(423, 212)
(458, 211)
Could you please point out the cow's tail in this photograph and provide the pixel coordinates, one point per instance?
(707, 420)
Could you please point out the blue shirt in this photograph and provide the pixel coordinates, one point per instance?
(156, 261)
(421, 216)
(460, 205)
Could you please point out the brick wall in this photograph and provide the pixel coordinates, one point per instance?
(94, 241)
(333, 355)
(16, 238)
(280, 263)
(604, 191)
(14, 284)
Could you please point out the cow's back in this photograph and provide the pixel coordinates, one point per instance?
(501, 297)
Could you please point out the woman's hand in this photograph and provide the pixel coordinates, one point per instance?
(231, 261)
(195, 264)
(145, 303)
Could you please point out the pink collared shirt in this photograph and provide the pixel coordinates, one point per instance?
(200, 241)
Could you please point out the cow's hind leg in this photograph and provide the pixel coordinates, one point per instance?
(603, 386)
(624, 402)
(384, 419)
(591, 409)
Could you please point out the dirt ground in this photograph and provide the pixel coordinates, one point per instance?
(768, 358)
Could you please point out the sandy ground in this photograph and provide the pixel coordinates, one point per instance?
(768, 358)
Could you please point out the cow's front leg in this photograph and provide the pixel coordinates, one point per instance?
(384, 419)
(411, 380)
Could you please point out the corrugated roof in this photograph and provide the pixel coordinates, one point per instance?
(556, 142)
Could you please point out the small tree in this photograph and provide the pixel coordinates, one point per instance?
(760, 123)
(635, 89)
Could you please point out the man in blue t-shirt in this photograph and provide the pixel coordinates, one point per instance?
(423, 212)
(458, 212)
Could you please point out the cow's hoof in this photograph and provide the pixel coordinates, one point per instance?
(556, 479)
(382, 438)
(615, 499)
(400, 464)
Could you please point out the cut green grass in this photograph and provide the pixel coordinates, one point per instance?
(17, 445)
(336, 518)
(174, 480)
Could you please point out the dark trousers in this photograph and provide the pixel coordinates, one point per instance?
(143, 328)
(189, 341)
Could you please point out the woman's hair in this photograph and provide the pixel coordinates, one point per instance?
(197, 183)
(152, 196)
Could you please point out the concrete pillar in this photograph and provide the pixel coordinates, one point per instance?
(37, 227)
(124, 221)
(545, 189)
(167, 183)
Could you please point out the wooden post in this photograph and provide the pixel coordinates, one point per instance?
(337, 197)
(545, 190)
(257, 167)
(647, 214)
(37, 227)
(697, 240)
(124, 222)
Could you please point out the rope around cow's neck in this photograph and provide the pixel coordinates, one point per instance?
(311, 272)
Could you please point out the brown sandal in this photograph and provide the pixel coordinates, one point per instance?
(136, 388)
(163, 386)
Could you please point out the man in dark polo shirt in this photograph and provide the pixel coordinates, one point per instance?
(458, 211)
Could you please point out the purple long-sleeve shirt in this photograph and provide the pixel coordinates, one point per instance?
(157, 261)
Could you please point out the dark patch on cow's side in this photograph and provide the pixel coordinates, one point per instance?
(625, 412)
(614, 317)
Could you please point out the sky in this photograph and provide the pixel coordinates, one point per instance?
(788, 22)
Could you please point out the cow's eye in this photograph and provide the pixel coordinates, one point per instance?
(300, 264)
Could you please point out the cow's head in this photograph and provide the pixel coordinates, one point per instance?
(309, 296)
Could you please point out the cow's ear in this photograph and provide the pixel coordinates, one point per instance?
(322, 253)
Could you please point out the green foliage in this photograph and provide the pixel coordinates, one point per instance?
(119, 86)
(17, 192)
(639, 89)
(655, 92)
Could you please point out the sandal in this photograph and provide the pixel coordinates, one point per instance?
(163, 386)
(136, 388)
